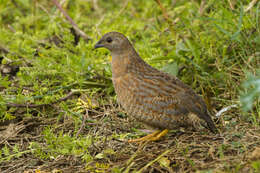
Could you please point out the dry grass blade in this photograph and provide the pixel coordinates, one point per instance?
(74, 25)
(251, 4)
(153, 161)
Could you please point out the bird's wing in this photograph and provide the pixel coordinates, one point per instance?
(155, 93)
(168, 91)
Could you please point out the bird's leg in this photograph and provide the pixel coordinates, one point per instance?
(155, 136)
(145, 138)
(160, 135)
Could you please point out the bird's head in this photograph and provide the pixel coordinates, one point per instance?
(113, 41)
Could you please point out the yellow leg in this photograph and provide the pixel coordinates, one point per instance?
(155, 136)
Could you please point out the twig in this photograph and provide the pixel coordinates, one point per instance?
(202, 7)
(74, 25)
(41, 105)
(83, 123)
(218, 114)
(165, 14)
(11, 28)
(251, 4)
(11, 131)
(231, 5)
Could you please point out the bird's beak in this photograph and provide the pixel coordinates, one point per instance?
(99, 44)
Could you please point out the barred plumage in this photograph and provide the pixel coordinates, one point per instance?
(151, 96)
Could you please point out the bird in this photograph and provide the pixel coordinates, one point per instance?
(155, 98)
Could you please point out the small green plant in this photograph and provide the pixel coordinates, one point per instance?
(8, 153)
(62, 144)
(251, 92)
(256, 165)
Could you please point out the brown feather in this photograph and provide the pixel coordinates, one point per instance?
(151, 96)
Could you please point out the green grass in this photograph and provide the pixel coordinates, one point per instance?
(213, 46)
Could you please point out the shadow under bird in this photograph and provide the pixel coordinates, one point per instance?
(155, 98)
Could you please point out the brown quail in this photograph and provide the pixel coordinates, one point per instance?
(153, 97)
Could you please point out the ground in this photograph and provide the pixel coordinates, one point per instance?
(235, 149)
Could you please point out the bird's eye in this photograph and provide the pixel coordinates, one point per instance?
(109, 39)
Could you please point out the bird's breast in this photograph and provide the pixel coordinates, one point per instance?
(119, 65)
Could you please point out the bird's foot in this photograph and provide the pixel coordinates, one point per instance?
(155, 136)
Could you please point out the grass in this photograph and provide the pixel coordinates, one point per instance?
(58, 108)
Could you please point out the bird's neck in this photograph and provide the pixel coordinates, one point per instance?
(122, 60)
